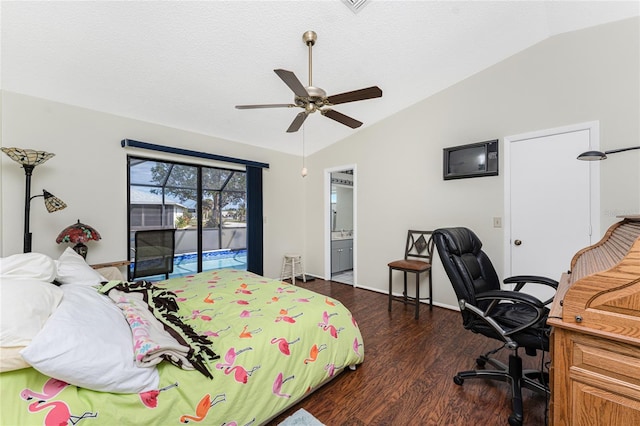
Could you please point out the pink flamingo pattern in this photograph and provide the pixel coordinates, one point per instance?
(51, 388)
(329, 327)
(196, 313)
(331, 369)
(243, 301)
(59, 413)
(260, 347)
(277, 385)
(230, 357)
(240, 374)
(216, 333)
(248, 314)
(356, 346)
(283, 345)
(150, 398)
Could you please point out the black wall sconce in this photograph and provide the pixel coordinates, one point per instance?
(29, 159)
(597, 155)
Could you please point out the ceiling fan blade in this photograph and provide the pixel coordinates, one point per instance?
(292, 81)
(341, 118)
(265, 106)
(356, 95)
(297, 122)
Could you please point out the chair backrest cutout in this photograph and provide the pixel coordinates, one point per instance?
(419, 245)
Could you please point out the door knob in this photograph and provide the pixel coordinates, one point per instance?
(517, 242)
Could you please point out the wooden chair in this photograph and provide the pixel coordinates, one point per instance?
(417, 260)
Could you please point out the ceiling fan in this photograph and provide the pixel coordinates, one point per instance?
(312, 99)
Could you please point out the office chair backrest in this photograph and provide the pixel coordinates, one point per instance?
(154, 251)
(467, 266)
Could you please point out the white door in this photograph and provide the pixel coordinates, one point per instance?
(553, 201)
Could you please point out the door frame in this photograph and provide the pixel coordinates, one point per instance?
(327, 220)
(594, 179)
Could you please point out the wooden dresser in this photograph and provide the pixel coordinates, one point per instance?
(595, 342)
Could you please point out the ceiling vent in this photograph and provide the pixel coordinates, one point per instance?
(355, 5)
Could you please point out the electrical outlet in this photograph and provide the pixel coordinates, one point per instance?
(497, 222)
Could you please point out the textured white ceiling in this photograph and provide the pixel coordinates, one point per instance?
(187, 64)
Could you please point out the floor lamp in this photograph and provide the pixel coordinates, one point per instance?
(29, 159)
(597, 155)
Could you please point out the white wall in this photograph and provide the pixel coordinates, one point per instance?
(89, 174)
(587, 75)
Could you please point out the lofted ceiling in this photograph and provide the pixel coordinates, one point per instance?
(186, 64)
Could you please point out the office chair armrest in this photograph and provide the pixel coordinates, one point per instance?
(512, 296)
(521, 280)
(497, 296)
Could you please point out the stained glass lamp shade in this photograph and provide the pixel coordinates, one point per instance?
(51, 202)
(78, 234)
(27, 157)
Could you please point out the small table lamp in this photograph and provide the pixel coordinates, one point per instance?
(78, 234)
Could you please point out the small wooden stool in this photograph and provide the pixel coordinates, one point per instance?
(289, 267)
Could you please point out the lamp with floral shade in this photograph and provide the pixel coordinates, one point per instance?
(78, 234)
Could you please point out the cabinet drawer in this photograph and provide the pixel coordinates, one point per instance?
(337, 244)
(614, 367)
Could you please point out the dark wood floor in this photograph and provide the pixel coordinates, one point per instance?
(407, 375)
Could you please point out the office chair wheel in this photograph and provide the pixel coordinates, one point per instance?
(481, 362)
(514, 420)
(458, 380)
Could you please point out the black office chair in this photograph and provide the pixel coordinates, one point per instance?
(515, 318)
(153, 252)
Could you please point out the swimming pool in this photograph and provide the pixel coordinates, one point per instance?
(187, 263)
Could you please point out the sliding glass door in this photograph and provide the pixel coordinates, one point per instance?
(206, 205)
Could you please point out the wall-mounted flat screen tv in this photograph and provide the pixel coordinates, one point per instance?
(473, 160)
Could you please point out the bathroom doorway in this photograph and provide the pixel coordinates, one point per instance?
(341, 224)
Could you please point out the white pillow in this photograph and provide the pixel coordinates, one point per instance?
(25, 305)
(87, 342)
(28, 266)
(73, 269)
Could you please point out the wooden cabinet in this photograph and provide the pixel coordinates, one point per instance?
(595, 380)
(595, 340)
(341, 255)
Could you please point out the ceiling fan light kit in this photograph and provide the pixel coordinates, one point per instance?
(312, 99)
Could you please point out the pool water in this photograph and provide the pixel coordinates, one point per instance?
(187, 264)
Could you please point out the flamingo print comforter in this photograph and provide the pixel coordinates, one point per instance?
(268, 344)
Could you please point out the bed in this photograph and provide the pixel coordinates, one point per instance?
(224, 347)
